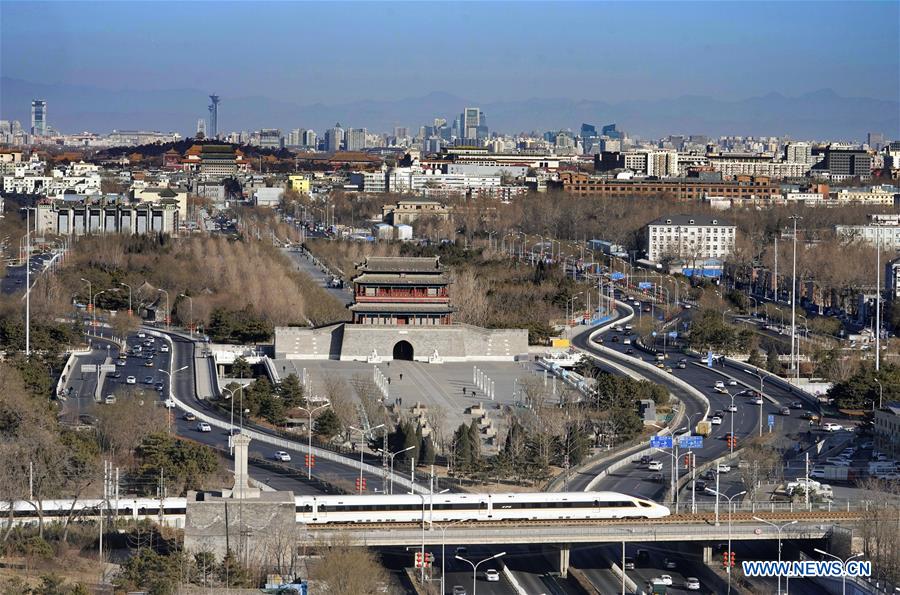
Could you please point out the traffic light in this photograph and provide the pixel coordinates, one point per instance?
(419, 560)
(727, 559)
(687, 461)
(360, 484)
(309, 460)
(429, 559)
(731, 441)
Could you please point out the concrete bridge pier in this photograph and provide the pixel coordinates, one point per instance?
(707, 554)
(564, 552)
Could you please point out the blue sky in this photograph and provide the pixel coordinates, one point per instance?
(342, 52)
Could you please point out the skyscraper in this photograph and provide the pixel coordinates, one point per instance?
(470, 122)
(39, 117)
(355, 139)
(214, 116)
(201, 128)
(334, 137)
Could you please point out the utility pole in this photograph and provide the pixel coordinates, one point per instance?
(877, 299)
(795, 361)
(776, 271)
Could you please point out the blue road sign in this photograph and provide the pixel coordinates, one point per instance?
(690, 442)
(661, 442)
(617, 276)
(645, 285)
(673, 334)
(709, 359)
(771, 422)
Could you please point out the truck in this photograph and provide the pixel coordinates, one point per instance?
(833, 473)
(704, 428)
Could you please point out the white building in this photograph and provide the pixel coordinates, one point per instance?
(89, 216)
(689, 237)
(372, 182)
(887, 196)
(887, 236)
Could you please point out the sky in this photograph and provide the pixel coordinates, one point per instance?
(340, 52)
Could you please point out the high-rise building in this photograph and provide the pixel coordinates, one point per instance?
(470, 121)
(39, 117)
(875, 140)
(355, 139)
(334, 138)
(610, 131)
(401, 132)
(201, 128)
(798, 152)
(214, 116)
(308, 138)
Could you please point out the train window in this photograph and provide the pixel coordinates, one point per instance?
(306, 509)
(645, 504)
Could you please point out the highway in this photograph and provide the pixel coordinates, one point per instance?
(746, 419)
(290, 475)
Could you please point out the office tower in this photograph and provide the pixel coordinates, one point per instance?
(875, 140)
(334, 138)
(308, 138)
(470, 121)
(214, 116)
(39, 117)
(588, 130)
(401, 132)
(355, 139)
(201, 128)
(610, 131)
(798, 152)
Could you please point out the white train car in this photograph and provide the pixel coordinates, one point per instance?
(475, 507)
(25, 513)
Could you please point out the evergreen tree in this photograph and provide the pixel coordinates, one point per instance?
(327, 425)
(462, 450)
(428, 452)
(773, 365)
(291, 392)
(410, 440)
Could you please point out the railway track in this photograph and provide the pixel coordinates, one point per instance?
(675, 519)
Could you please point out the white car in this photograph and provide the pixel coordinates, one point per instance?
(130, 380)
(491, 575)
(282, 456)
(732, 382)
(164, 348)
(110, 399)
(670, 564)
(839, 461)
(664, 579)
(716, 420)
(832, 427)
(732, 408)
(203, 427)
(169, 403)
(723, 468)
(692, 584)
(141, 335)
(719, 384)
(758, 401)
(655, 466)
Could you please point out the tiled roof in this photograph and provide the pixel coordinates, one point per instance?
(396, 279)
(394, 264)
(401, 308)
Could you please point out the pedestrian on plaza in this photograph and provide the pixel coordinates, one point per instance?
(401, 376)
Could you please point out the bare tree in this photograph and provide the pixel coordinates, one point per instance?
(349, 570)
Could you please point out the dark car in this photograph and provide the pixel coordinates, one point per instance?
(700, 485)
(615, 339)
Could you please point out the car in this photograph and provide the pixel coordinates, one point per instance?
(692, 583)
(148, 364)
(723, 468)
(462, 550)
(635, 303)
(149, 355)
(670, 564)
(629, 351)
(136, 349)
(655, 466)
(629, 563)
(149, 380)
(732, 382)
(626, 342)
(282, 456)
(131, 380)
(682, 365)
(661, 365)
(615, 339)
(731, 407)
(758, 401)
(598, 340)
(151, 340)
(663, 579)
(121, 362)
(491, 575)
(165, 348)
(832, 427)
(459, 590)
(719, 384)
(796, 405)
(657, 477)
(645, 460)
(188, 416)
(848, 453)
(203, 427)
(109, 399)
(715, 420)
(784, 411)
(115, 374)
(839, 461)
(718, 413)
(669, 370)
(700, 485)
(647, 309)
(141, 335)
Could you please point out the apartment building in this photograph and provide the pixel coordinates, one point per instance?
(689, 237)
(749, 189)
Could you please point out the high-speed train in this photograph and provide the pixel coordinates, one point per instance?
(320, 510)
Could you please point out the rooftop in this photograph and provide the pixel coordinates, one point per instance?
(391, 264)
(690, 220)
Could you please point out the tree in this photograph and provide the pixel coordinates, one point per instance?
(184, 465)
(343, 569)
(427, 451)
(291, 392)
(773, 364)
(241, 368)
(861, 391)
(232, 573)
(755, 358)
(327, 425)
(462, 456)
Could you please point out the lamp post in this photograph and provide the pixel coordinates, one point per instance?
(191, 303)
(443, 528)
(310, 412)
(94, 309)
(169, 376)
(779, 528)
(724, 313)
(794, 363)
(391, 456)
(362, 436)
(729, 498)
(571, 300)
(168, 312)
(843, 565)
(90, 298)
(130, 311)
(880, 392)
(475, 566)
(231, 399)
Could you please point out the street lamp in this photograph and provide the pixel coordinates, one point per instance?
(571, 300)
(310, 412)
(729, 498)
(168, 312)
(169, 375)
(443, 528)
(795, 218)
(475, 566)
(191, 302)
(362, 435)
(880, 392)
(843, 566)
(779, 529)
(130, 311)
(90, 299)
(391, 457)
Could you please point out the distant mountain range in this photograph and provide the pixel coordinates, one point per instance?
(822, 115)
